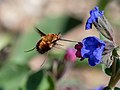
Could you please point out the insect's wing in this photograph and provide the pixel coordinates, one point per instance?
(44, 59)
(59, 33)
(40, 32)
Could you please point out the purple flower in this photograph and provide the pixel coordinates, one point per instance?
(94, 14)
(78, 47)
(70, 54)
(91, 48)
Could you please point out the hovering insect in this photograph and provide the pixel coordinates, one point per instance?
(47, 42)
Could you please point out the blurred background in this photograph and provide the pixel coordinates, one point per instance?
(23, 71)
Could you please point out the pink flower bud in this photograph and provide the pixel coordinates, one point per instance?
(70, 55)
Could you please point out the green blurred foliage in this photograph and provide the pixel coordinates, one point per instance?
(34, 80)
(103, 3)
(4, 40)
(15, 74)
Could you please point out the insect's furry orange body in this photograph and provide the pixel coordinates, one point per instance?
(47, 42)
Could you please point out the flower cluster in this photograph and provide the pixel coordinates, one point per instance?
(93, 48)
(100, 51)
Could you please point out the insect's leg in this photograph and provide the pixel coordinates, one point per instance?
(44, 60)
(59, 44)
(59, 47)
(30, 50)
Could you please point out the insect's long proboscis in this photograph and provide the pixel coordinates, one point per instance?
(67, 40)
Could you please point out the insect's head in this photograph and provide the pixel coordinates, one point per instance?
(56, 37)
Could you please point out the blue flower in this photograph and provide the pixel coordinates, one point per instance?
(94, 14)
(92, 48)
(99, 88)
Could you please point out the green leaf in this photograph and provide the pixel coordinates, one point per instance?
(47, 83)
(51, 82)
(34, 80)
(108, 71)
(114, 53)
(107, 88)
(116, 88)
(13, 77)
(44, 84)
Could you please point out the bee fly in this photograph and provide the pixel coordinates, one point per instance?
(47, 42)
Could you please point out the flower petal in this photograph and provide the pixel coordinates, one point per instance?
(92, 60)
(92, 49)
(94, 14)
(88, 24)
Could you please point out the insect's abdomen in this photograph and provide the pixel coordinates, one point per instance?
(42, 47)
